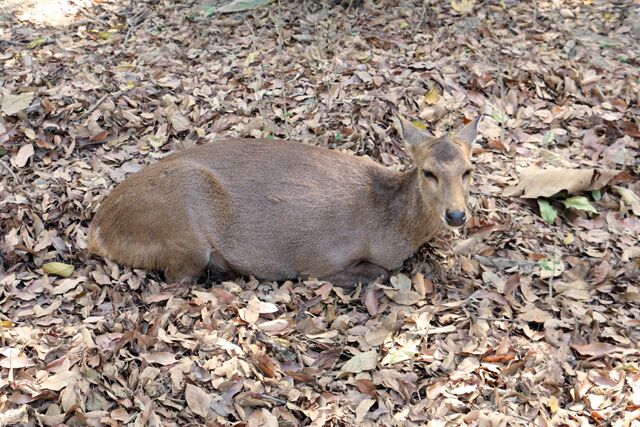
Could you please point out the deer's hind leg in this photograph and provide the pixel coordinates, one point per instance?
(364, 272)
(185, 265)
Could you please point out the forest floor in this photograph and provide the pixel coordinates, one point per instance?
(537, 321)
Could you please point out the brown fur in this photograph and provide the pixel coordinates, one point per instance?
(277, 210)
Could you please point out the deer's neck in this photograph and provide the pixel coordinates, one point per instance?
(407, 207)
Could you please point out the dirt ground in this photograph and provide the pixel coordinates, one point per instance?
(536, 320)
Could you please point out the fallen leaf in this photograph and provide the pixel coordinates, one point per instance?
(536, 182)
(534, 314)
(550, 267)
(363, 409)
(399, 355)
(163, 358)
(59, 381)
(630, 198)
(12, 104)
(462, 6)
(24, 154)
(599, 349)
(580, 203)
(58, 269)
(242, 5)
(403, 297)
(365, 361)
(432, 97)
(547, 212)
(198, 400)
(266, 365)
(17, 416)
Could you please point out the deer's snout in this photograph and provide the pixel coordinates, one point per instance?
(455, 218)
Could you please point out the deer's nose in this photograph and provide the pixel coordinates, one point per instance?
(455, 218)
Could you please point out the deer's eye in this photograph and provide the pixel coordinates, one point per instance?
(429, 174)
(467, 174)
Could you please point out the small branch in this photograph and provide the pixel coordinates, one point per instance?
(496, 319)
(133, 23)
(94, 107)
(7, 167)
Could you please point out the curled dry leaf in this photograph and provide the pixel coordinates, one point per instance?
(266, 365)
(630, 198)
(399, 355)
(58, 269)
(17, 416)
(255, 308)
(536, 182)
(22, 157)
(403, 297)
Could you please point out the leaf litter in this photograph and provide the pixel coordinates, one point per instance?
(530, 319)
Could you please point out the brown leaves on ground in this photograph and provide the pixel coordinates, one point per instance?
(511, 322)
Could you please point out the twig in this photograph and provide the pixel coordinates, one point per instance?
(83, 11)
(134, 22)
(4, 341)
(6, 166)
(94, 106)
(13, 42)
(497, 319)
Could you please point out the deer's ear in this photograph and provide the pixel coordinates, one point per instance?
(411, 135)
(468, 133)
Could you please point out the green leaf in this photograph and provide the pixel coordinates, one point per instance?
(580, 203)
(547, 212)
(36, 43)
(550, 267)
(404, 26)
(242, 5)
(3, 151)
(419, 125)
(500, 118)
(209, 11)
(105, 35)
(549, 137)
(597, 195)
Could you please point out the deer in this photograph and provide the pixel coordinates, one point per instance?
(279, 210)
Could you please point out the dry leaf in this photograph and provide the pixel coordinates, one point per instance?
(23, 155)
(59, 381)
(399, 355)
(199, 401)
(365, 361)
(58, 269)
(630, 198)
(462, 6)
(536, 182)
(12, 104)
(534, 314)
(17, 416)
(403, 297)
(599, 349)
(163, 358)
(363, 409)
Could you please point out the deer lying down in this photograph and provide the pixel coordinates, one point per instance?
(278, 210)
